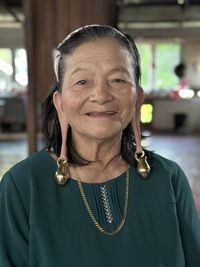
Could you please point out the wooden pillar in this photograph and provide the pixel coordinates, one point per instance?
(46, 24)
(72, 14)
(39, 38)
(31, 94)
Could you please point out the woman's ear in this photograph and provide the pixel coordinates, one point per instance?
(136, 119)
(58, 103)
(140, 99)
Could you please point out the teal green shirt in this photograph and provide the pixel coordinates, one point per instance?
(46, 225)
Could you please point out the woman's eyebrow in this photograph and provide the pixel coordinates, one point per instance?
(120, 69)
(79, 69)
(111, 71)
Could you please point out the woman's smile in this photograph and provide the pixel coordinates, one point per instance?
(102, 114)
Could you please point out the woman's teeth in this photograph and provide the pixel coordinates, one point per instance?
(107, 113)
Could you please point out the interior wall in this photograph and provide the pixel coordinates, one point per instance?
(12, 36)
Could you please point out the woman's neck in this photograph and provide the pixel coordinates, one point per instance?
(105, 160)
(97, 150)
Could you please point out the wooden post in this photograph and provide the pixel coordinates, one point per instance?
(39, 40)
(31, 94)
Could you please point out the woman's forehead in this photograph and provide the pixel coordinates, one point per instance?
(107, 55)
(97, 51)
(100, 44)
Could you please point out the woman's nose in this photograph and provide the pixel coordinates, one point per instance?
(101, 93)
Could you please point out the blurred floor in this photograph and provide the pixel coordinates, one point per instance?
(183, 149)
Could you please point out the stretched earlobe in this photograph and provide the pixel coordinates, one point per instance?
(136, 119)
(62, 173)
(143, 167)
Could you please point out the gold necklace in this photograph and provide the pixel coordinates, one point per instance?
(99, 227)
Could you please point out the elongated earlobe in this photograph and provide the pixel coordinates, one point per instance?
(62, 173)
(143, 167)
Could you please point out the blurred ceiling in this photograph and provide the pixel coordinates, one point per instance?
(159, 2)
(149, 17)
(159, 18)
(10, 13)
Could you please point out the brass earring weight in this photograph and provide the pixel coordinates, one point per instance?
(62, 173)
(143, 167)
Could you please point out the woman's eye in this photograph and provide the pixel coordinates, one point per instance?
(81, 82)
(117, 80)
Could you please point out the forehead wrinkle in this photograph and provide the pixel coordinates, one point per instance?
(79, 69)
(112, 70)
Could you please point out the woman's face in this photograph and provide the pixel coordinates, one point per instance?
(98, 93)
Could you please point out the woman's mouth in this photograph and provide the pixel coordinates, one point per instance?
(101, 114)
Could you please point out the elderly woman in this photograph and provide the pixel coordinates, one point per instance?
(94, 197)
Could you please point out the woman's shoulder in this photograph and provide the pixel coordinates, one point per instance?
(163, 162)
(164, 166)
(34, 162)
(33, 167)
(166, 175)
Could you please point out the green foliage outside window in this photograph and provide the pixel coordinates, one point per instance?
(167, 56)
(5, 55)
(157, 65)
(146, 61)
(13, 70)
(6, 69)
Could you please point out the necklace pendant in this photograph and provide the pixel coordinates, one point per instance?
(106, 204)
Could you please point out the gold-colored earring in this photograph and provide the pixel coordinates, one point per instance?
(62, 173)
(143, 167)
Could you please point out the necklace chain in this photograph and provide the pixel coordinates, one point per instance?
(99, 227)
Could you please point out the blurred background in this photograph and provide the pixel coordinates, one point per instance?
(167, 33)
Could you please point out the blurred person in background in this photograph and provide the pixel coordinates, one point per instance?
(180, 72)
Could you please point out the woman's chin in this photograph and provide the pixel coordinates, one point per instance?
(103, 134)
(99, 131)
